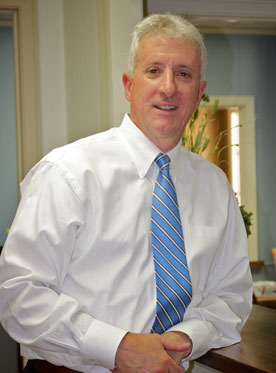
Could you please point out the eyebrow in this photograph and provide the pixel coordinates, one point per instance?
(179, 66)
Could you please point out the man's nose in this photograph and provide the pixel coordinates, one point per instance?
(168, 85)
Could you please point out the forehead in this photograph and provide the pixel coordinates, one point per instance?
(162, 47)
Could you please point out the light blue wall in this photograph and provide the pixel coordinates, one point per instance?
(246, 65)
(8, 166)
(8, 171)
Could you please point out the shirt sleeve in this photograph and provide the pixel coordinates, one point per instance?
(37, 254)
(225, 304)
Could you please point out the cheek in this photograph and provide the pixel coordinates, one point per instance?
(138, 105)
(142, 98)
(191, 99)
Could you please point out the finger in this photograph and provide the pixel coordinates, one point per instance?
(172, 365)
(175, 368)
(177, 345)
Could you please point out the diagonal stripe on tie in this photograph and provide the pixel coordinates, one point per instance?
(154, 237)
(162, 206)
(169, 263)
(173, 284)
(174, 279)
(165, 236)
(171, 293)
(167, 221)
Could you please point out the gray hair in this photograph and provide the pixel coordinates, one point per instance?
(172, 25)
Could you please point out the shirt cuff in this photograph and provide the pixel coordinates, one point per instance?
(100, 344)
(202, 333)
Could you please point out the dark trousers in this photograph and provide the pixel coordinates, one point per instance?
(28, 368)
(43, 366)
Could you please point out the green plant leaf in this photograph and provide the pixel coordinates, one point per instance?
(205, 144)
(214, 107)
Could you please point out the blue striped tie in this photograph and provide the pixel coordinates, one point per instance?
(173, 284)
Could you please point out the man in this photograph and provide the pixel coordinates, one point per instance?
(80, 282)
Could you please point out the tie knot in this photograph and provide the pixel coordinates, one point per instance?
(162, 161)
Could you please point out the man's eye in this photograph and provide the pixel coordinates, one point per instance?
(153, 71)
(183, 74)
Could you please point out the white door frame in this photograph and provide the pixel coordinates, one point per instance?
(27, 93)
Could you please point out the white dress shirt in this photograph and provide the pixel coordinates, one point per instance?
(77, 270)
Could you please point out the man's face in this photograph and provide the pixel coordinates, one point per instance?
(165, 88)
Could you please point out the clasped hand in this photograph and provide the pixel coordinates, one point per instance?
(152, 353)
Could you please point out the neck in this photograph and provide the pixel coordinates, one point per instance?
(165, 146)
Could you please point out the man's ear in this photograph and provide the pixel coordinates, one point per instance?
(127, 82)
(202, 87)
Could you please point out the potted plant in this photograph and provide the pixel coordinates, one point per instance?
(197, 141)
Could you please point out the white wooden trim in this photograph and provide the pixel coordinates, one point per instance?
(105, 69)
(246, 105)
(258, 10)
(52, 74)
(124, 15)
(222, 16)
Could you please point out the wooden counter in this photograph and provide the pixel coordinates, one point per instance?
(257, 350)
(268, 301)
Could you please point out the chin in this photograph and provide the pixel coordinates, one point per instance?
(167, 128)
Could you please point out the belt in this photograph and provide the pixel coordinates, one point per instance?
(43, 366)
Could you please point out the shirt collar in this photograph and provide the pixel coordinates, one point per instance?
(141, 149)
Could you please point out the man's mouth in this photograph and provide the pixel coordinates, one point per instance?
(166, 107)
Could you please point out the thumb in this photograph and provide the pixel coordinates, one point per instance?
(174, 342)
